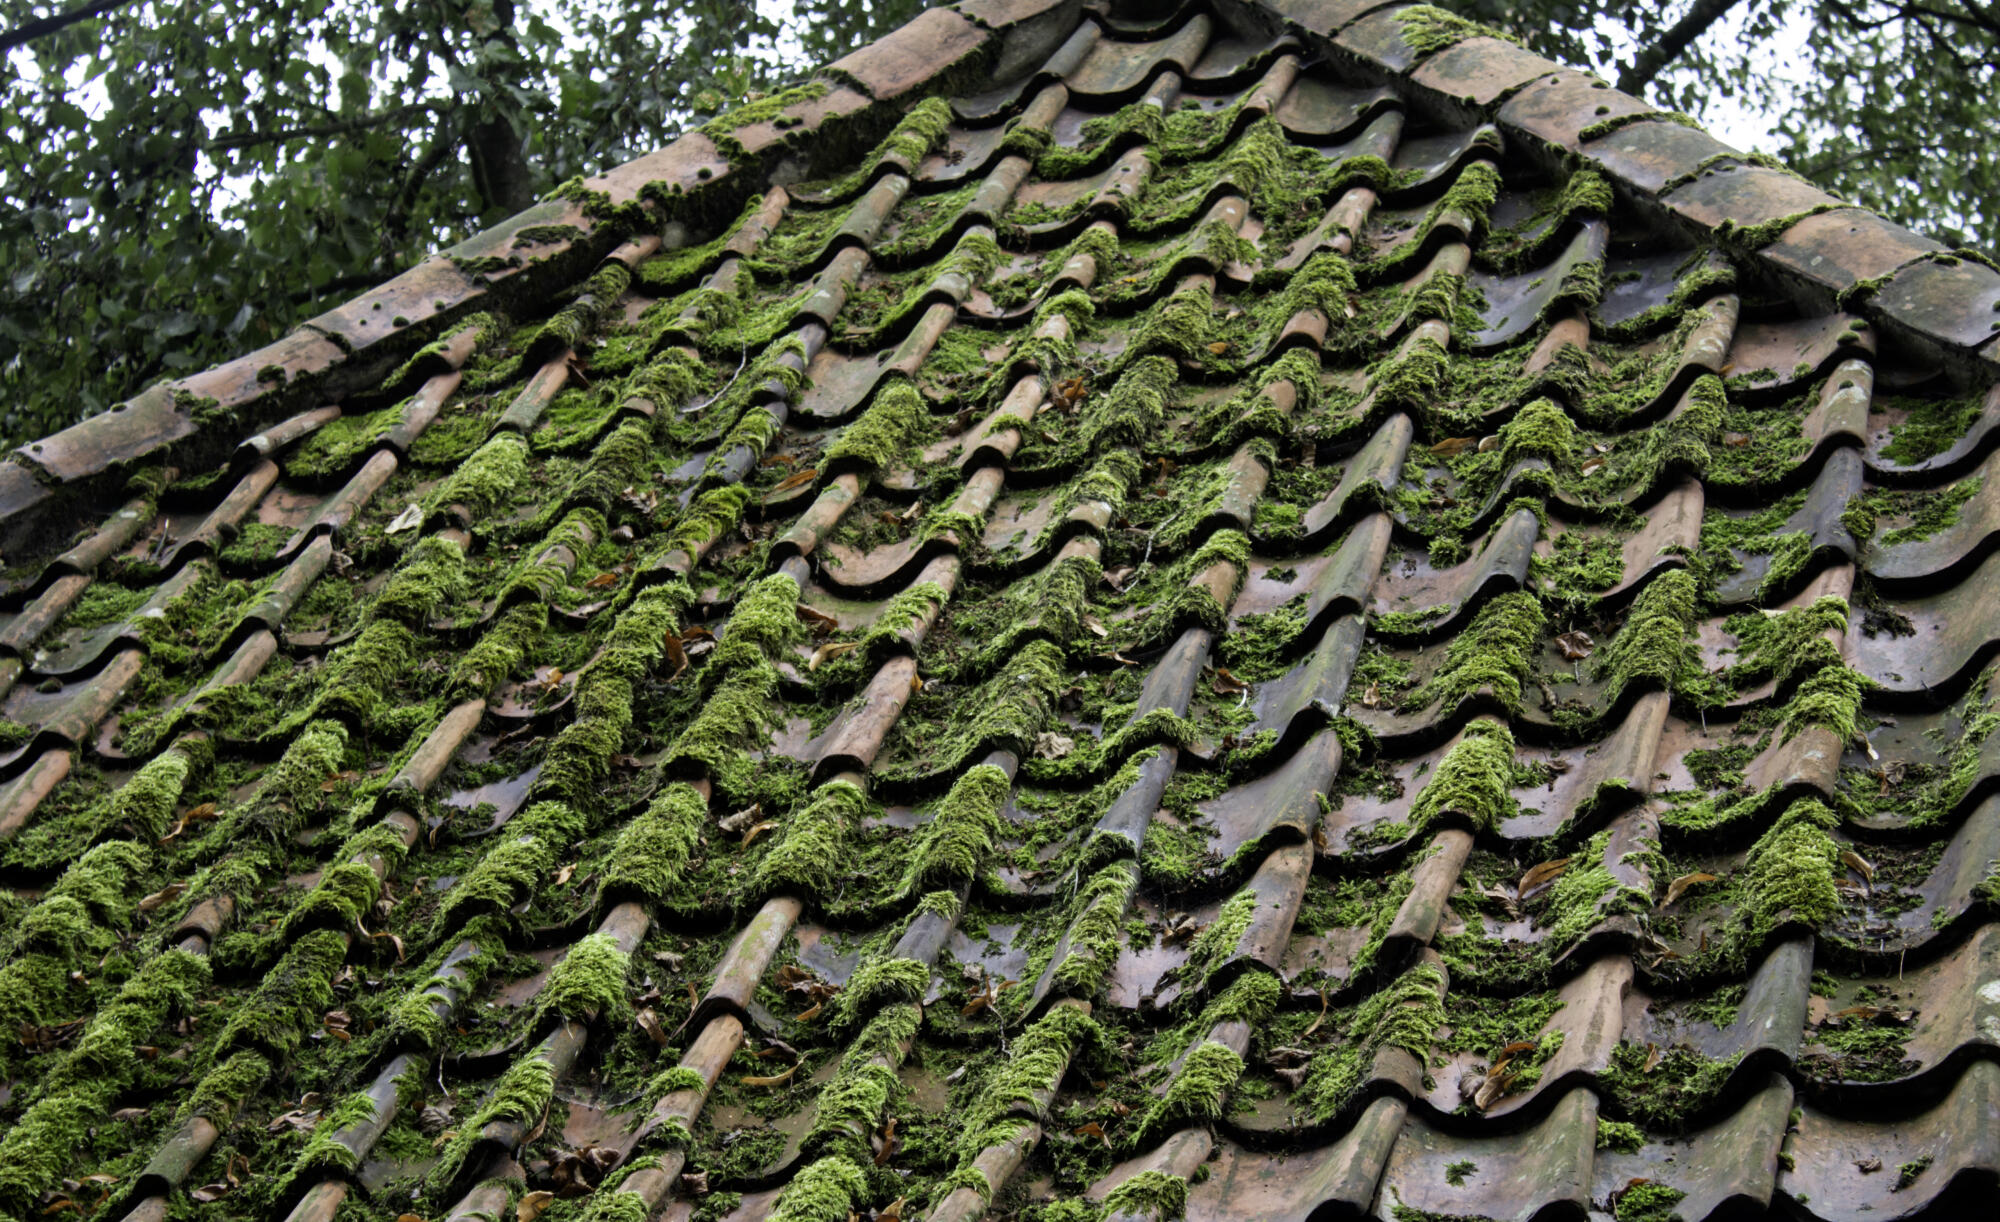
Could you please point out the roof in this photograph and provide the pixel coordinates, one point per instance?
(1245, 611)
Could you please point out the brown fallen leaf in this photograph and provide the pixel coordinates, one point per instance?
(818, 621)
(1227, 684)
(1218, 347)
(409, 1218)
(1317, 1021)
(1116, 578)
(1494, 1088)
(1489, 443)
(677, 655)
(1093, 1129)
(1859, 864)
(829, 651)
(757, 829)
(893, 1211)
(1594, 464)
(885, 1146)
(1679, 886)
(165, 895)
(1541, 875)
(650, 1023)
(567, 872)
(741, 819)
(1095, 627)
(1653, 1055)
(1576, 645)
(601, 581)
(779, 460)
(1371, 696)
(776, 1079)
(532, 1205)
(796, 478)
(1452, 447)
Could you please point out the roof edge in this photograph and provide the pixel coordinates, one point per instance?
(1827, 252)
(49, 485)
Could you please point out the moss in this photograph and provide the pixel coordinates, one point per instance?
(960, 834)
(498, 654)
(738, 714)
(588, 983)
(1929, 428)
(653, 848)
(770, 109)
(1154, 1194)
(1094, 929)
(805, 859)
(852, 1104)
(1494, 651)
(522, 1096)
(1620, 1137)
(1038, 1058)
(1646, 1201)
(1474, 780)
(1907, 1173)
(889, 433)
(1541, 429)
(1665, 1094)
(1758, 236)
(508, 872)
(711, 515)
(496, 473)
(825, 1190)
(431, 578)
(288, 1003)
(878, 983)
(1427, 29)
(1792, 869)
(1656, 643)
(1405, 1015)
(1135, 407)
(225, 1088)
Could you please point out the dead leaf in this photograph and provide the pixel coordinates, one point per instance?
(1652, 1058)
(1494, 1088)
(776, 1079)
(1867, 1166)
(565, 874)
(1227, 684)
(1372, 696)
(532, 1204)
(409, 1218)
(741, 819)
(893, 1211)
(1218, 347)
(1594, 464)
(1576, 645)
(411, 518)
(1818, 1010)
(830, 651)
(650, 1023)
(1679, 886)
(819, 621)
(779, 460)
(1489, 442)
(600, 581)
(796, 478)
(1050, 745)
(1452, 447)
(885, 1147)
(1541, 876)
(1859, 864)
(1116, 578)
(758, 829)
(165, 895)
(1096, 628)
(677, 656)
(1093, 1129)
(1317, 1021)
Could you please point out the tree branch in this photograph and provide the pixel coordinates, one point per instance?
(42, 27)
(1654, 59)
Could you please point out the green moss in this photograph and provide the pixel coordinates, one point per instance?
(1647, 1201)
(770, 109)
(878, 983)
(498, 654)
(892, 430)
(961, 831)
(1097, 921)
(1656, 643)
(1929, 428)
(852, 1104)
(653, 848)
(1620, 1137)
(496, 473)
(1758, 236)
(225, 1088)
(1405, 1015)
(1038, 1058)
(288, 1003)
(1427, 29)
(1792, 868)
(825, 1190)
(1155, 1194)
(1540, 429)
(738, 713)
(1907, 1173)
(1474, 780)
(1666, 1093)
(805, 860)
(588, 983)
(522, 1095)
(1494, 651)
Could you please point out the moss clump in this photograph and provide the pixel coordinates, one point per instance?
(522, 1096)
(722, 129)
(499, 652)
(1154, 1194)
(1427, 28)
(1541, 429)
(1656, 643)
(878, 983)
(1620, 1137)
(1493, 652)
(287, 1005)
(1134, 409)
(852, 1104)
(588, 983)
(1646, 1201)
(430, 579)
(825, 1190)
(888, 434)
(737, 714)
(1099, 917)
(960, 833)
(1474, 780)
(1791, 870)
(496, 473)
(1405, 1015)
(1039, 1057)
(652, 850)
(803, 861)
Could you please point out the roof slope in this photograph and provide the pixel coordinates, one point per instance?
(1204, 627)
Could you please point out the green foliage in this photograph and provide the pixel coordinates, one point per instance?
(180, 184)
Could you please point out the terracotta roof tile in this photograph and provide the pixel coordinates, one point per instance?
(1202, 634)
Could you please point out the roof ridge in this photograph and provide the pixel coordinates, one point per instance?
(1824, 249)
